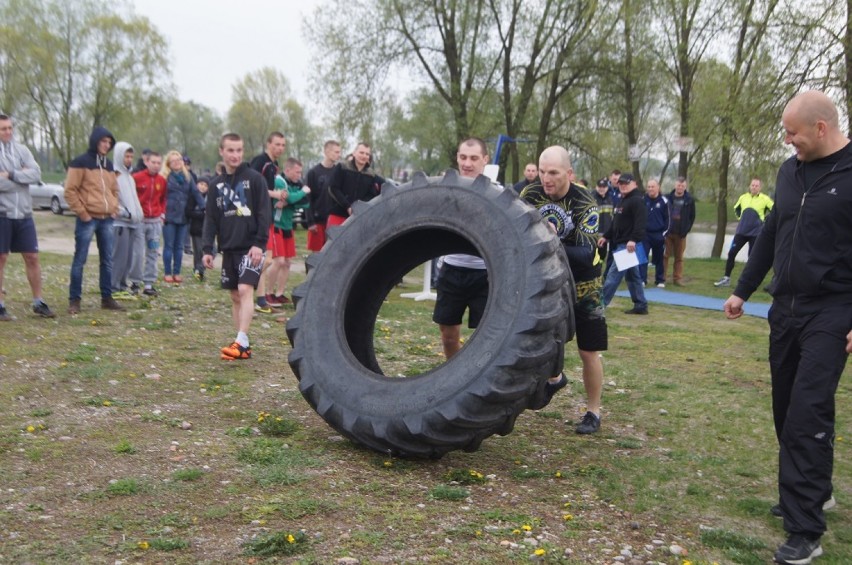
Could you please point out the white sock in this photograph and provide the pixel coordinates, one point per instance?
(242, 339)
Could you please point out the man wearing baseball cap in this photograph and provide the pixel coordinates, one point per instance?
(626, 232)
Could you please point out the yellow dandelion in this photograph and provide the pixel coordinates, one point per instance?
(526, 528)
(290, 538)
(558, 474)
(31, 428)
(132, 375)
(279, 419)
(567, 505)
(217, 387)
(63, 364)
(839, 438)
(539, 552)
(567, 517)
(388, 463)
(516, 531)
(143, 545)
(94, 322)
(687, 562)
(478, 532)
(107, 403)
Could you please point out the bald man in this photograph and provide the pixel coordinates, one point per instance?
(572, 214)
(805, 240)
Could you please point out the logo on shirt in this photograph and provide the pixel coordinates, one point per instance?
(833, 191)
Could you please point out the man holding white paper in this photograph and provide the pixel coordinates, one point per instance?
(627, 229)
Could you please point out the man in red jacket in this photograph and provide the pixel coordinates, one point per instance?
(151, 189)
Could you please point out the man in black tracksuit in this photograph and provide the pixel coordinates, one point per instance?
(626, 232)
(806, 242)
(238, 217)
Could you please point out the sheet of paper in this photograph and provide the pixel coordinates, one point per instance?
(625, 260)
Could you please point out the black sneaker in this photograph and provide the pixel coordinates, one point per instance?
(4, 316)
(640, 311)
(827, 505)
(150, 291)
(551, 389)
(798, 550)
(134, 289)
(43, 310)
(589, 425)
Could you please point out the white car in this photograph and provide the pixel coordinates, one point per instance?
(46, 195)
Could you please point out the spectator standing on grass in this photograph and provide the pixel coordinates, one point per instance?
(603, 200)
(530, 174)
(18, 170)
(571, 213)
(655, 234)
(180, 189)
(681, 217)
(463, 281)
(151, 190)
(805, 241)
(238, 216)
(195, 214)
(282, 242)
(91, 191)
(318, 179)
(267, 165)
(352, 179)
(129, 244)
(626, 232)
(751, 210)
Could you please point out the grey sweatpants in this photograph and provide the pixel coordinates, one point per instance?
(153, 228)
(128, 248)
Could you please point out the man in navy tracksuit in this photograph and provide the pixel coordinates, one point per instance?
(805, 240)
(655, 233)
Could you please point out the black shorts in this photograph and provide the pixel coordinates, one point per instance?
(589, 317)
(18, 236)
(458, 289)
(237, 270)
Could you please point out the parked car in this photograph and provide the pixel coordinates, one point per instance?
(47, 195)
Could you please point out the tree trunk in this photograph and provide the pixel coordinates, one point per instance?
(722, 197)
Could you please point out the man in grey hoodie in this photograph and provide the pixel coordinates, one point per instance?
(18, 169)
(128, 239)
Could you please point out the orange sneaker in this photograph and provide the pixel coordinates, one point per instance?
(236, 351)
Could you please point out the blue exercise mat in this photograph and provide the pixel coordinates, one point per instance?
(662, 296)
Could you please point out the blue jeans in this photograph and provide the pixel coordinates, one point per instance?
(634, 284)
(173, 237)
(83, 232)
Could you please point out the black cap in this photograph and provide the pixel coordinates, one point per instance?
(603, 182)
(625, 178)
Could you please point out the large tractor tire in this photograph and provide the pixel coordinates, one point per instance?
(500, 371)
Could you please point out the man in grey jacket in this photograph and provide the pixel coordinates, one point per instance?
(129, 238)
(18, 169)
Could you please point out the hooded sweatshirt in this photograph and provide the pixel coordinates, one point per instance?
(16, 202)
(91, 188)
(129, 209)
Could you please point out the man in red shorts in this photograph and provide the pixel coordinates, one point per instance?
(282, 244)
(318, 179)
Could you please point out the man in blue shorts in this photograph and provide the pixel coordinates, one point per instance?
(572, 213)
(18, 170)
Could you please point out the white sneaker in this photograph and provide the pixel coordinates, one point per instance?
(661, 285)
(724, 281)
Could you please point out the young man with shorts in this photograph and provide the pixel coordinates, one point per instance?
(282, 243)
(18, 170)
(571, 212)
(463, 281)
(238, 216)
(318, 179)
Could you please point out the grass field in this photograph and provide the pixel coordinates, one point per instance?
(124, 438)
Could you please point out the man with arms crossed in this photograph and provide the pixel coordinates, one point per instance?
(572, 214)
(18, 170)
(805, 241)
(238, 215)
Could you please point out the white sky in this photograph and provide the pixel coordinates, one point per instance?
(214, 43)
